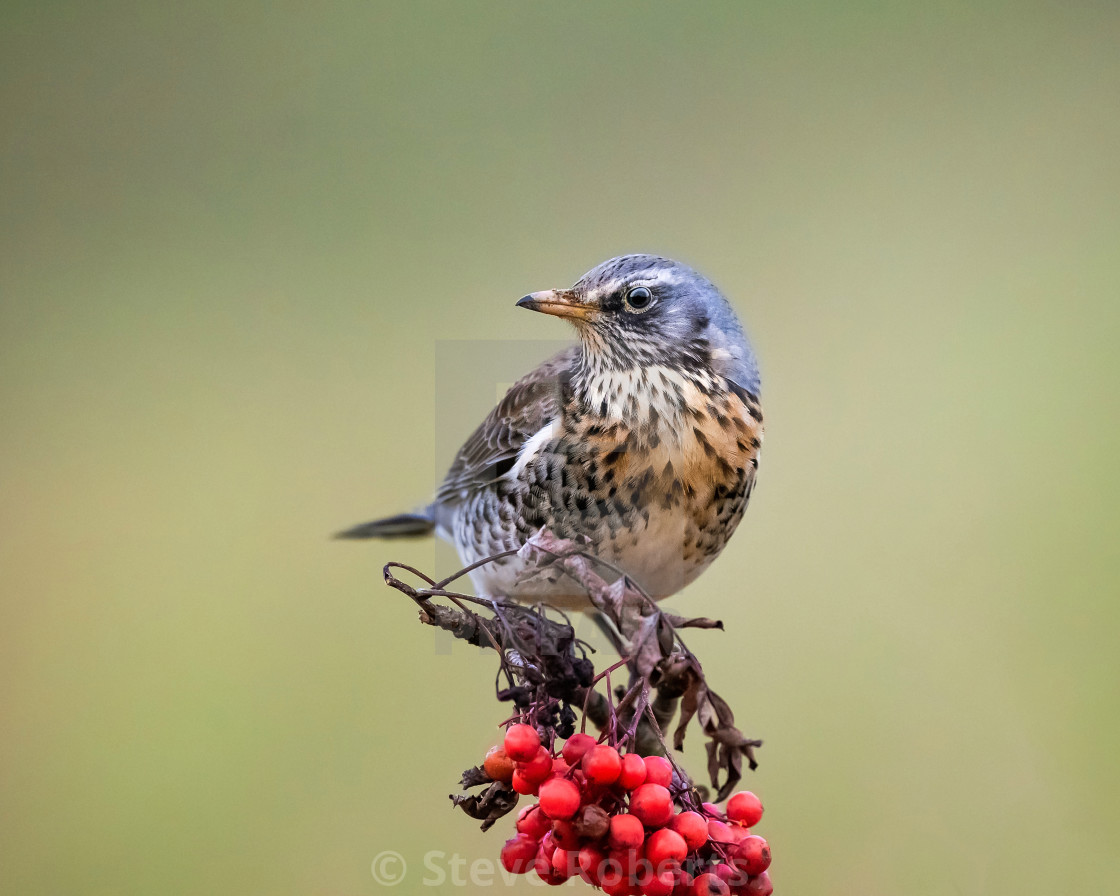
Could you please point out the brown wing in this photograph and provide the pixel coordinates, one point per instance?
(528, 406)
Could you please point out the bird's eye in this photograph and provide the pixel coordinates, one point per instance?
(639, 297)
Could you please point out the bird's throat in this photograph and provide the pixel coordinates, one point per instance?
(652, 397)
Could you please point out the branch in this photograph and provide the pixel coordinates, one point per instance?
(547, 673)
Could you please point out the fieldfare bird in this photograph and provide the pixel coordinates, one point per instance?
(641, 441)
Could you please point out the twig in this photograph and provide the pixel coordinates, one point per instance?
(548, 672)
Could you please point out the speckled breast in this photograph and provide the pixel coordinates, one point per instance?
(658, 497)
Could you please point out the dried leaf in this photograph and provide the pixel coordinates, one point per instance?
(645, 648)
(472, 777)
(736, 763)
(690, 699)
(713, 761)
(733, 778)
(490, 805)
(615, 597)
(665, 635)
(723, 711)
(697, 622)
(705, 713)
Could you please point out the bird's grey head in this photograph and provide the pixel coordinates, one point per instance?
(639, 310)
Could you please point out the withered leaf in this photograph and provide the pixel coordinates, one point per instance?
(705, 712)
(690, 699)
(488, 806)
(647, 651)
(665, 635)
(472, 777)
(697, 622)
(723, 711)
(712, 747)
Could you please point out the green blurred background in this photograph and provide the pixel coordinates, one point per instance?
(236, 237)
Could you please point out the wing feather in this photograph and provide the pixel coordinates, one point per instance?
(530, 404)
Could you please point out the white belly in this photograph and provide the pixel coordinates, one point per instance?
(652, 555)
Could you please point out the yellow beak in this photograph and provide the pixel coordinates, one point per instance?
(561, 303)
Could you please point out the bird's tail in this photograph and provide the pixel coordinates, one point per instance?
(403, 525)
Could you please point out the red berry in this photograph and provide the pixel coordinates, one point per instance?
(758, 886)
(564, 862)
(659, 770)
(709, 884)
(538, 768)
(726, 872)
(624, 862)
(626, 832)
(559, 766)
(559, 798)
(564, 833)
(532, 822)
(522, 742)
(714, 811)
(602, 765)
(522, 785)
(619, 887)
(734, 877)
(498, 765)
(751, 854)
(633, 773)
(519, 854)
(591, 859)
(575, 746)
(659, 883)
(652, 804)
(664, 846)
(744, 808)
(719, 832)
(543, 866)
(684, 883)
(692, 827)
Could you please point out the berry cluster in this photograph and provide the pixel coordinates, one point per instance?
(610, 819)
